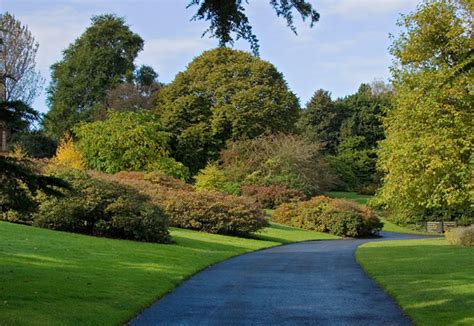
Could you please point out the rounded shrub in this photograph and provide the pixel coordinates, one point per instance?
(272, 196)
(461, 236)
(102, 208)
(336, 216)
(211, 212)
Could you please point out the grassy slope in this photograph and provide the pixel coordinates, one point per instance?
(363, 199)
(49, 277)
(431, 280)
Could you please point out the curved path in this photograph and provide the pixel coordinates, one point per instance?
(308, 283)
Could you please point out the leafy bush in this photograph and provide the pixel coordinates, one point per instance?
(213, 178)
(272, 196)
(206, 211)
(67, 155)
(336, 216)
(128, 141)
(102, 208)
(461, 236)
(288, 160)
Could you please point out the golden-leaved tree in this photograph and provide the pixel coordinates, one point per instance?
(428, 152)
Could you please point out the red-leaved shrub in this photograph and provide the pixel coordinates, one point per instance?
(211, 212)
(272, 196)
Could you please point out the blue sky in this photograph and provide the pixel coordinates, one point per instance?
(346, 48)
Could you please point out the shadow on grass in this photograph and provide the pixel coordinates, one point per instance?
(49, 277)
(434, 284)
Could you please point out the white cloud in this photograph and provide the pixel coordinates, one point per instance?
(168, 56)
(54, 30)
(361, 9)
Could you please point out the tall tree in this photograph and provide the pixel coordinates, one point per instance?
(99, 60)
(428, 154)
(321, 120)
(224, 95)
(227, 17)
(19, 79)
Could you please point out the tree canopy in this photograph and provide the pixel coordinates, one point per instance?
(100, 59)
(224, 95)
(19, 79)
(132, 141)
(228, 17)
(428, 154)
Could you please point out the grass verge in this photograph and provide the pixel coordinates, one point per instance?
(58, 278)
(361, 199)
(431, 280)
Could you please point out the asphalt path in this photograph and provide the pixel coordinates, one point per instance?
(308, 283)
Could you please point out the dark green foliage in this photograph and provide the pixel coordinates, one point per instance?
(349, 128)
(227, 17)
(35, 143)
(336, 216)
(99, 60)
(17, 115)
(363, 113)
(321, 120)
(224, 95)
(102, 208)
(19, 184)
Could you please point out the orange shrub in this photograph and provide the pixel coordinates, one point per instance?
(337, 216)
(272, 196)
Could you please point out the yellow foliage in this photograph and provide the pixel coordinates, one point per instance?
(67, 155)
(461, 236)
(18, 152)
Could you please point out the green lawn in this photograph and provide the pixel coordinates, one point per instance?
(58, 278)
(430, 279)
(361, 199)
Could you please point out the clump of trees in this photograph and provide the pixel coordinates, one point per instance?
(99, 60)
(349, 129)
(427, 156)
(223, 95)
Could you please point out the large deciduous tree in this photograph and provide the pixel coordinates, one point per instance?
(99, 60)
(224, 95)
(428, 154)
(19, 79)
(228, 17)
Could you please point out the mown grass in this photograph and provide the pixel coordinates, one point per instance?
(58, 278)
(361, 199)
(430, 279)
